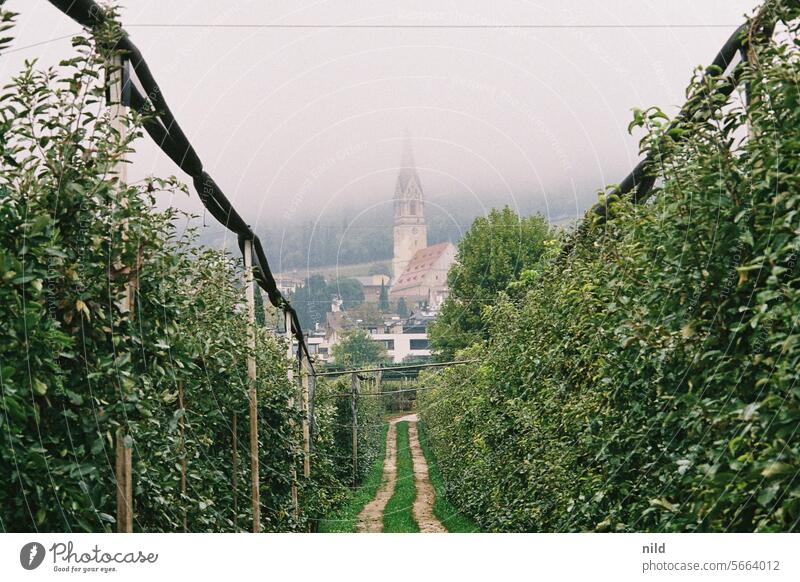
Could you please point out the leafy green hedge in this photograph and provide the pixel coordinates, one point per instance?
(371, 426)
(447, 513)
(75, 366)
(335, 451)
(649, 382)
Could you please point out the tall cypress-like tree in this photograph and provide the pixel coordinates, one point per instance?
(402, 307)
(383, 298)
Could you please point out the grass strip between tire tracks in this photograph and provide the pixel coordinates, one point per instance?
(398, 516)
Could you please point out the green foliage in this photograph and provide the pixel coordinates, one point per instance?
(356, 348)
(344, 519)
(260, 312)
(398, 514)
(76, 365)
(370, 425)
(313, 299)
(350, 291)
(402, 308)
(493, 253)
(447, 513)
(649, 381)
(383, 298)
(400, 394)
(6, 23)
(336, 427)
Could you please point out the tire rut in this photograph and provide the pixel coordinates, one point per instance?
(370, 520)
(426, 495)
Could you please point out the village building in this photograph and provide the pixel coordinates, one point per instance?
(424, 281)
(419, 278)
(288, 283)
(404, 338)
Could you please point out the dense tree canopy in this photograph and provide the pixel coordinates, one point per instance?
(493, 253)
(313, 299)
(356, 348)
(350, 291)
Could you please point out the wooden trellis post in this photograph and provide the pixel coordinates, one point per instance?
(119, 110)
(124, 484)
(235, 475)
(124, 462)
(312, 410)
(290, 374)
(251, 375)
(354, 414)
(182, 424)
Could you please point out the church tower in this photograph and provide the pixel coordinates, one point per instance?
(410, 230)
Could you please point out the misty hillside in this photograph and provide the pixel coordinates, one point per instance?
(355, 236)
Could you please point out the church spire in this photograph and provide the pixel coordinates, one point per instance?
(409, 186)
(410, 230)
(407, 159)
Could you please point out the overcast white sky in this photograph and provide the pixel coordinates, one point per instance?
(317, 116)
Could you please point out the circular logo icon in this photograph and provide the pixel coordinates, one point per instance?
(31, 555)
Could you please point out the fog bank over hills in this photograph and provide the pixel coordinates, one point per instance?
(305, 125)
(352, 234)
(303, 128)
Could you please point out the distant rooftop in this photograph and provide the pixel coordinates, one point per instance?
(420, 264)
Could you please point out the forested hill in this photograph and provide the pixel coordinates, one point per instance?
(356, 234)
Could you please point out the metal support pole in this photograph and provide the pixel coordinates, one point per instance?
(312, 411)
(354, 414)
(290, 374)
(306, 419)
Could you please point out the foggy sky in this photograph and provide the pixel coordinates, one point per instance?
(296, 123)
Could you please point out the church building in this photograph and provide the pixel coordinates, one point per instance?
(419, 271)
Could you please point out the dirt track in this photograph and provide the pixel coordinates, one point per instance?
(370, 520)
(426, 496)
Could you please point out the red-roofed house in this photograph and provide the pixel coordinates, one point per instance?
(425, 277)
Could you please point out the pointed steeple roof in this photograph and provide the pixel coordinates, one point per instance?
(408, 176)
